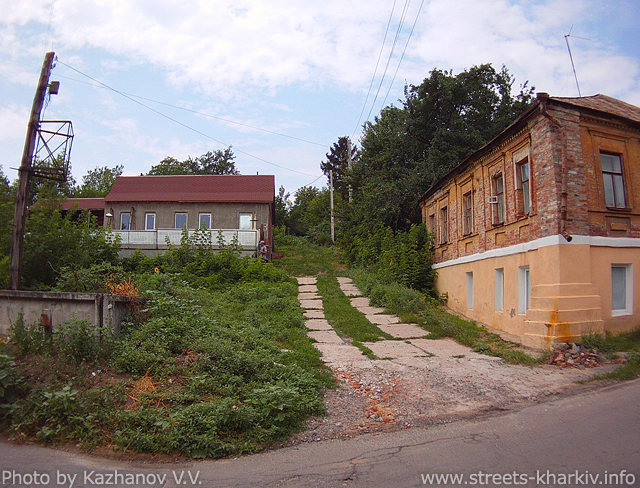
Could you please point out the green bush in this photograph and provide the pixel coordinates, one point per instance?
(30, 338)
(405, 257)
(11, 383)
(91, 279)
(77, 341)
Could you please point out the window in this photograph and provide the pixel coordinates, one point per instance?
(149, 221)
(432, 223)
(245, 221)
(204, 221)
(467, 218)
(125, 221)
(181, 220)
(612, 180)
(469, 278)
(621, 289)
(444, 225)
(523, 188)
(499, 290)
(524, 289)
(497, 190)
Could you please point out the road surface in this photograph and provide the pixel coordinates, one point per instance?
(584, 436)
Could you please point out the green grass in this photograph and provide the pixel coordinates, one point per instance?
(208, 372)
(412, 306)
(610, 345)
(344, 318)
(304, 258)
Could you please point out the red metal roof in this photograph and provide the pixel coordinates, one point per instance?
(604, 103)
(193, 188)
(83, 203)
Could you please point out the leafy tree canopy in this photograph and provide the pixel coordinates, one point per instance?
(211, 163)
(443, 120)
(98, 182)
(338, 162)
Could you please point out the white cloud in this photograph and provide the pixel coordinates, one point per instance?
(13, 122)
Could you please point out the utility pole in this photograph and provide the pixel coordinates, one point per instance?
(24, 174)
(333, 225)
(349, 167)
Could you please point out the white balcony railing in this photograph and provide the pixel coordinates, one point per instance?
(158, 239)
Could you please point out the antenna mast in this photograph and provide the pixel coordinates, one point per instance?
(573, 66)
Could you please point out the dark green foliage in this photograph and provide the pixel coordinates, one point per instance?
(92, 279)
(53, 242)
(227, 366)
(338, 162)
(404, 256)
(211, 163)
(98, 182)
(310, 214)
(11, 384)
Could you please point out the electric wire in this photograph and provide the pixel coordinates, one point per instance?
(211, 116)
(395, 40)
(384, 40)
(157, 112)
(403, 52)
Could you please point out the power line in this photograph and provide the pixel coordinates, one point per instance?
(364, 105)
(404, 12)
(403, 51)
(204, 114)
(180, 123)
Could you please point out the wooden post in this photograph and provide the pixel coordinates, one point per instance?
(24, 175)
(349, 167)
(333, 226)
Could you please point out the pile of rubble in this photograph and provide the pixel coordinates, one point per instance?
(573, 354)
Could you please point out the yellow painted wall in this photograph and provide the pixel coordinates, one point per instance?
(570, 292)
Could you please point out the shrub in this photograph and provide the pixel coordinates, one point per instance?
(403, 256)
(11, 383)
(28, 338)
(78, 341)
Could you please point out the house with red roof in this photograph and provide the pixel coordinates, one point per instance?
(537, 234)
(150, 212)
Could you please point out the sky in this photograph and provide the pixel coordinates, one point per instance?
(279, 81)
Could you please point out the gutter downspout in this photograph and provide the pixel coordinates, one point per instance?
(562, 225)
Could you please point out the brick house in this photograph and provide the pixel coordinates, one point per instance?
(537, 233)
(149, 211)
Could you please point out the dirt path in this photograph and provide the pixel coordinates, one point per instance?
(419, 380)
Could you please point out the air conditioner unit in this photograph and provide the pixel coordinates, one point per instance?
(493, 200)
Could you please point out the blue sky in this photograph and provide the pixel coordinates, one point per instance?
(298, 68)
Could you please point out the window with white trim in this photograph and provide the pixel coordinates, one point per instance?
(613, 180)
(204, 221)
(469, 280)
(245, 221)
(621, 289)
(499, 290)
(524, 289)
(181, 220)
(149, 221)
(125, 220)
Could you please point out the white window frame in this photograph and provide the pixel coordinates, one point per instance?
(186, 220)
(498, 214)
(202, 214)
(469, 285)
(146, 222)
(628, 309)
(250, 214)
(498, 300)
(524, 289)
(444, 224)
(122, 214)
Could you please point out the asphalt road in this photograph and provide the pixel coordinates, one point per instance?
(583, 436)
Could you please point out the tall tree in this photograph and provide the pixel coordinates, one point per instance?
(211, 163)
(443, 120)
(338, 162)
(98, 182)
(282, 206)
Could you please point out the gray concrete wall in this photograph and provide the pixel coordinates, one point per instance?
(223, 215)
(100, 310)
